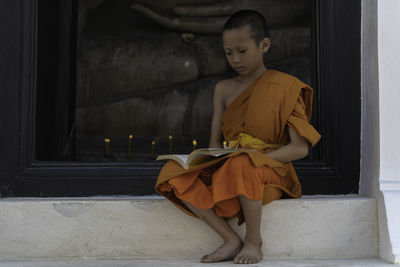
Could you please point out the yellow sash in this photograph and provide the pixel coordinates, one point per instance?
(245, 140)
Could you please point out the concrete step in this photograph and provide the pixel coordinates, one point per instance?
(372, 262)
(151, 227)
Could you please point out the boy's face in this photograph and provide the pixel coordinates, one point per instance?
(242, 52)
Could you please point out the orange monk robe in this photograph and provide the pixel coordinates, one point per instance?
(264, 110)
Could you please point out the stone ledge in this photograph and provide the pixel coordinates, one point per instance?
(150, 227)
(370, 262)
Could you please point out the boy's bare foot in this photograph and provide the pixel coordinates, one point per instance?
(226, 251)
(250, 253)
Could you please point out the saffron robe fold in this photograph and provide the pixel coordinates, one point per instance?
(264, 110)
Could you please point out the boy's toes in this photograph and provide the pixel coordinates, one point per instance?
(241, 260)
(203, 259)
(253, 261)
(245, 259)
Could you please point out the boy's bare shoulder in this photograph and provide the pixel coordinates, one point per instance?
(225, 84)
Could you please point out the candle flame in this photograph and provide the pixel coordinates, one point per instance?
(194, 142)
(107, 140)
(130, 136)
(153, 142)
(170, 137)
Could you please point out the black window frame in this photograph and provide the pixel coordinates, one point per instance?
(337, 117)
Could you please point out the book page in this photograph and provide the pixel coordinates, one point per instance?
(179, 158)
(183, 157)
(213, 151)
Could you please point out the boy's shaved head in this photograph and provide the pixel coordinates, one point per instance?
(253, 19)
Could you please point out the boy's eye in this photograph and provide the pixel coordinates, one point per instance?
(242, 51)
(228, 53)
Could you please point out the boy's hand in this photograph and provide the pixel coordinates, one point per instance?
(224, 144)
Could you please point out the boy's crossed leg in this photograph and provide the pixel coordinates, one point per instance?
(233, 248)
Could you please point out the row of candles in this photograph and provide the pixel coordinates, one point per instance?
(153, 146)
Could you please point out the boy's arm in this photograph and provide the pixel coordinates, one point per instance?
(296, 149)
(218, 110)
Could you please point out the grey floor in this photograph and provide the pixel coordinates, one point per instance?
(192, 263)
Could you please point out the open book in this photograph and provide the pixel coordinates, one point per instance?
(199, 156)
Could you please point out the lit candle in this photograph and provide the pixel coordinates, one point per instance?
(130, 146)
(225, 143)
(170, 144)
(106, 147)
(194, 144)
(153, 149)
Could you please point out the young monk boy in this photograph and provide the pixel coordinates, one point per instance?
(262, 109)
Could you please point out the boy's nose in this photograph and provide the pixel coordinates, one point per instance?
(235, 58)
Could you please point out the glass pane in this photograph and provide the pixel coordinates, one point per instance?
(149, 69)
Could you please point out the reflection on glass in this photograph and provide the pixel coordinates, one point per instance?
(147, 68)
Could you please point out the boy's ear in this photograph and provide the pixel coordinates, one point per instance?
(266, 44)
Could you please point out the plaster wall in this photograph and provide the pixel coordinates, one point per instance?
(380, 125)
(389, 122)
(369, 165)
(369, 100)
(389, 70)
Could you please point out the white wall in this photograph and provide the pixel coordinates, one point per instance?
(389, 117)
(389, 80)
(380, 118)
